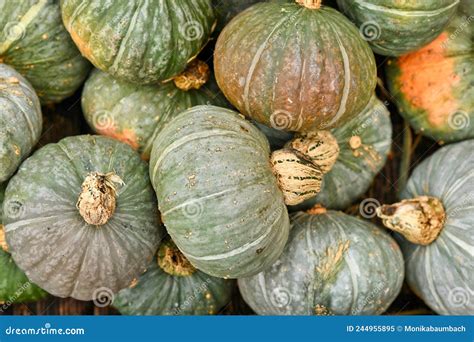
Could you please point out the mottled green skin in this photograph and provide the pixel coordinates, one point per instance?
(442, 273)
(294, 68)
(352, 175)
(14, 285)
(218, 197)
(136, 114)
(36, 44)
(394, 27)
(139, 41)
(50, 240)
(20, 120)
(159, 293)
(364, 281)
(454, 51)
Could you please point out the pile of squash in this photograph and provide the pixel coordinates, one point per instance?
(199, 173)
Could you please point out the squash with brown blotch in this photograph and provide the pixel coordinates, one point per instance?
(433, 87)
(295, 66)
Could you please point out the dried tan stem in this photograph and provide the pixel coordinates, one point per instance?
(194, 77)
(419, 220)
(3, 240)
(311, 4)
(97, 200)
(172, 261)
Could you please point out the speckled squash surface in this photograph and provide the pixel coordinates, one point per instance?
(393, 27)
(14, 285)
(34, 41)
(442, 273)
(140, 42)
(20, 120)
(135, 114)
(333, 264)
(434, 87)
(46, 229)
(174, 290)
(364, 143)
(218, 197)
(294, 68)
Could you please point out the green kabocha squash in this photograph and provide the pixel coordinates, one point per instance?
(394, 27)
(333, 264)
(20, 120)
(295, 67)
(172, 286)
(14, 285)
(434, 87)
(222, 196)
(139, 42)
(363, 143)
(436, 218)
(135, 114)
(81, 218)
(35, 42)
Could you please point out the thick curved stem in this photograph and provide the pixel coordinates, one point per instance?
(301, 164)
(194, 77)
(97, 200)
(419, 220)
(172, 261)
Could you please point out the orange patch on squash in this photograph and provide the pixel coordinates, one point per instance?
(427, 78)
(83, 46)
(127, 136)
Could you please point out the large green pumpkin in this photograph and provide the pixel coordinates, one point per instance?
(20, 120)
(172, 286)
(218, 197)
(81, 217)
(433, 87)
(437, 219)
(364, 143)
(394, 27)
(14, 285)
(34, 41)
(140, 42)
(135, 114)
(333, 264)
(295, 68)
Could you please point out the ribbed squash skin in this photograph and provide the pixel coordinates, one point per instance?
(14, 285)
(50, 240)
(293, 68)
(394, 27)
(218, 197)
(159, 293)
(20, 120)
(442, 273)
(140, 42)
(35, 42)
(315, 276)
(433, 87)
(135, 114)
(355, 169)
